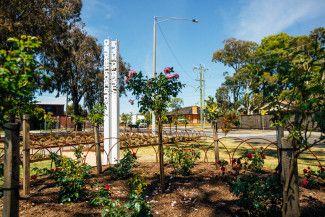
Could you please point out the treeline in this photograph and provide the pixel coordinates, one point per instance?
(260, 69)
(69, 57)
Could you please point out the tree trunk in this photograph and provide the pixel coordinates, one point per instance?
(98, 151)
(161, 154)
(290, 207)
(76, 112)
(215, 141)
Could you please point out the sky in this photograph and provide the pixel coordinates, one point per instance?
(183, 44)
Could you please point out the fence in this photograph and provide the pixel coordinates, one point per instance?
(145, 145)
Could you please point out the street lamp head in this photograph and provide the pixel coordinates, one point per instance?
(195, 21)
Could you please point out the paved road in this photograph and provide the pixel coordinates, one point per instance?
(246, 133)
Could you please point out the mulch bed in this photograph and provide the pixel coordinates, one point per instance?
(203, 193)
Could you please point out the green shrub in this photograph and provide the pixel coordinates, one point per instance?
(260, 196)
(136, 206)
(137, 185)
(253, 160)
(312, 178)
(101, 197)
(136, 203)
(115, 209)
(69, 175)
(122, 170)
(182, 159)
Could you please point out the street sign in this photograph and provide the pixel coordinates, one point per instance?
(111, 101)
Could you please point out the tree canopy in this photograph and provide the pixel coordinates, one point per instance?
(20, 77)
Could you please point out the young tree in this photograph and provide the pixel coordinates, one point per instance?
(153, 95)
(20, 77)
(289, 72)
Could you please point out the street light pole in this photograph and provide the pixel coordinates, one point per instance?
(154, 73)
(153, 116)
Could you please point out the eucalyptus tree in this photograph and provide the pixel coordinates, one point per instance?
(236, 54)
(289, 73)
(81, 63)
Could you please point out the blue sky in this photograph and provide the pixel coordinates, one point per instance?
(131, 22)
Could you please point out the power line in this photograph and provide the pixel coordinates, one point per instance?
(173, 53)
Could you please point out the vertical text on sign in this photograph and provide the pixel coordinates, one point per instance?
(111, 100)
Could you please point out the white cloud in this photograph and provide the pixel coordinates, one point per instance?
(259, 18)
(97, 9)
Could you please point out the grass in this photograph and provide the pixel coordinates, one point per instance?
(40, 165)
(306, 159)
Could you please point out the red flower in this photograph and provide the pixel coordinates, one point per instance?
(187, 157)
(305, 182)
(322, 169)
(107, 187)
(305, 170)
(234, 160)
(250, 155)
(223, 169)
(34, 177)
(167, 70)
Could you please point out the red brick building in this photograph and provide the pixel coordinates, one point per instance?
(191, 113)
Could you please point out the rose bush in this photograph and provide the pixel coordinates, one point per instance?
(182, 159)
(69, 175)
(154, 95)
(312, 178)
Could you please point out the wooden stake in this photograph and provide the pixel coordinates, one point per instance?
(11, 171)
(26, 156)
(215, 141)
(290, 207)
(98, 151)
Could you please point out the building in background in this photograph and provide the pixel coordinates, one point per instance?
(190, 113)
(58, 112)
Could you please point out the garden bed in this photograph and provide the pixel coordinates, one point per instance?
(204, 193)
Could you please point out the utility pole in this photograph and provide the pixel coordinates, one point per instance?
(154, 73)
(201, 69)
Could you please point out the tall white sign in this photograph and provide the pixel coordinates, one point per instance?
(111, 101)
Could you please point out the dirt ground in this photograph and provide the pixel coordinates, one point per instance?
(204, 193)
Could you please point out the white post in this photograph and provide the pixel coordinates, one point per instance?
(115, 108)
(111, 101)
(107, 99)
